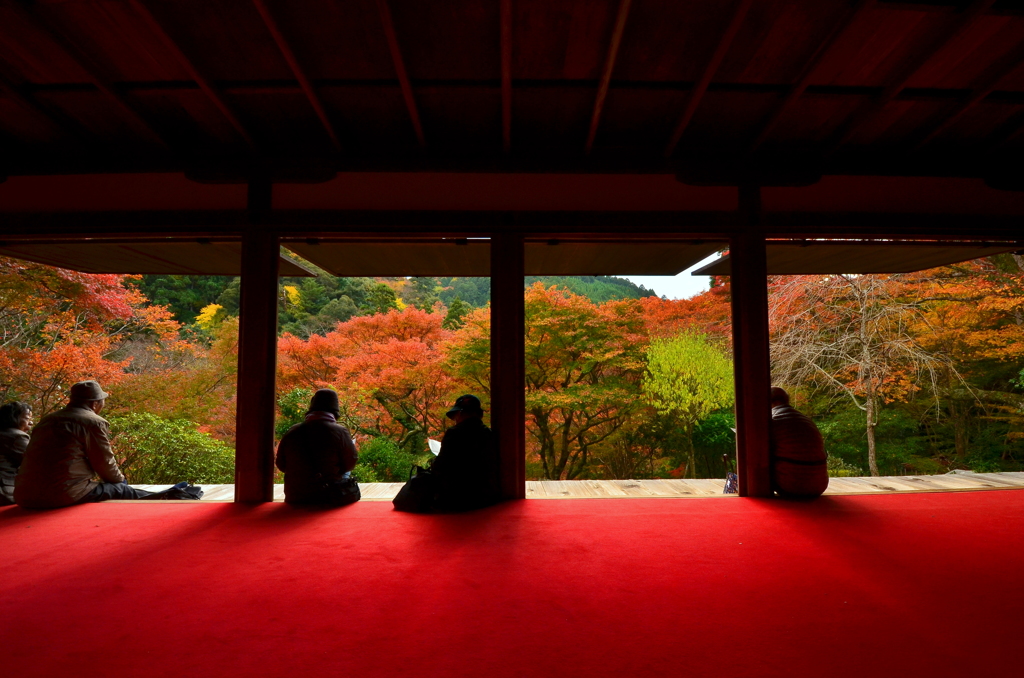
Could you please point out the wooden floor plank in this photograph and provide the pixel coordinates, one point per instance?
(680, 488)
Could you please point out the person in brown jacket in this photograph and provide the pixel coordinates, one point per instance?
(798, 459)
(67, 450)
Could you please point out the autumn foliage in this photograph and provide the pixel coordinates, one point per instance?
(904, 373)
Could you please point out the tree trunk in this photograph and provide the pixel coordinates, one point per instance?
(872, 420)
(691, 452)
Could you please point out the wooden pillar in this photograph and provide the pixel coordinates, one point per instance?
(752, 363)
(508, 362)
(257, 353)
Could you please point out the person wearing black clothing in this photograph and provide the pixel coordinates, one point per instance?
(15, 423)
(464, 475)
(318, 455)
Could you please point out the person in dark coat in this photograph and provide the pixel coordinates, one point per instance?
(798, 460)
(15, 423)
(466, 469)
(318, 455)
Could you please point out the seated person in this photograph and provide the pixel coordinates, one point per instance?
(318, 455)
(71, 447)
(15, 423)
(466, 469)
(465, 473)
(798, 458)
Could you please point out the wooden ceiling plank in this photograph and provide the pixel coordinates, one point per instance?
(606, 75)
(697, 93)
(300, 75)
(824, 258)
(388, 25)
(985, 86)
(208, 89)
(58, 121)
(86, 65)
(796, 91)
(957, 26)
(506, 75)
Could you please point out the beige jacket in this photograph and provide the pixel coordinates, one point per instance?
(68, 449)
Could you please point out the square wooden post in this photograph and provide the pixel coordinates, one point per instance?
(508, 361)
(751, 354)
(257, 354)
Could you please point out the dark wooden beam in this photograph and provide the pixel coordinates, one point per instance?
(508, 361)
(403, 76)
(300, 75)
(697, 93)
(751, 361)
(1006, 132)
(985, 86)
(85, 64)
(956, 27)
(811, 65)
(606, 74)
(257, 353)
(506, 75)
(58, 121)
(205, 85)
(469, 223)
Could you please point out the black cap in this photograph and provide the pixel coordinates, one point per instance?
(325, 400)
(469, 404)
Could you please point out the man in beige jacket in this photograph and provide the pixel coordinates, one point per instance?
(68, 449)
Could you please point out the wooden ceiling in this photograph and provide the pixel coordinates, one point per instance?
(186, 257)
(774, 87)
(472, 256)
(819, 257)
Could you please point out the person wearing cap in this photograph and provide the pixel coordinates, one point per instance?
(68, 449)
(799, 464)
(466, 469)
(318, 455)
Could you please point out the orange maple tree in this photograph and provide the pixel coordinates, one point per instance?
(58, 327)
(388, 369)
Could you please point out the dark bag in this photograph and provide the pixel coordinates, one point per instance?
(417, 495)
(179, 491)
(344, 491)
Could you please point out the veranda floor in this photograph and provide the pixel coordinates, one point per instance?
(581, 489)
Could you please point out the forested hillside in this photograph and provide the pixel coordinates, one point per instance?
(909, 373)
(314, 305)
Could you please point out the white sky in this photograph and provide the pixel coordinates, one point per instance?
(680, 286)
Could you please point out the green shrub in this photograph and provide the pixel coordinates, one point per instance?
(381, 461)
(837, 468)
(292, 408)
(152, 450)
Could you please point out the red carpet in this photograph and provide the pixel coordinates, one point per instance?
(893, 585)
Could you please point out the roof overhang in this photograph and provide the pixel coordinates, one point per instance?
(820, 257)
(471, 256)
(183, 257)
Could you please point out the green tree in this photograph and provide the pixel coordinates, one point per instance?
(382, 461)
(152, 450)
(380, 299)
(688, 378)
(455, 318)
(423, 293)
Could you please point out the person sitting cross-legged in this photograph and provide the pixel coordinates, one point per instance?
(798, 459)
(318, 455)
(68, 449)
